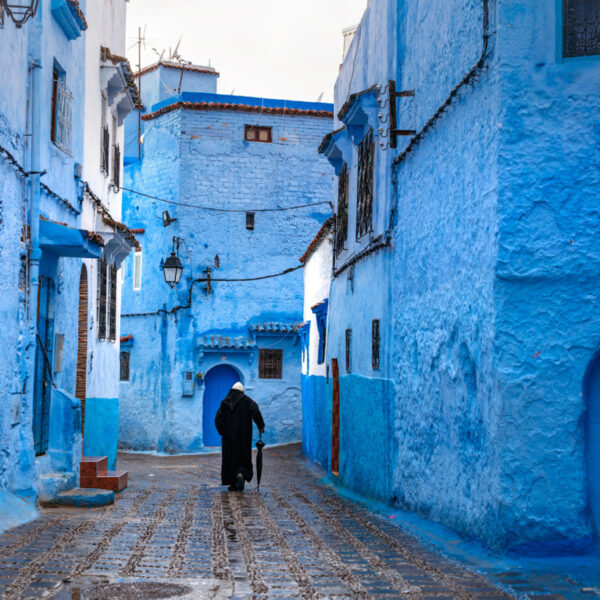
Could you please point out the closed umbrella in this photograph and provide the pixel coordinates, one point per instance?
(259, 460)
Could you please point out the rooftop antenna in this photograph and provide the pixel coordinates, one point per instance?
(141, 40)
(175, 55)
(320, 97)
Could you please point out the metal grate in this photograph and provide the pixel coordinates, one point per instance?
(62, 101)
(364, 197)
(116, 170)
(270, 364)
(375, 344)
(112, 303)
(125, 356)
(101, 299)
(581, 28)
(341, 221)
(104, 150)
(348, 350)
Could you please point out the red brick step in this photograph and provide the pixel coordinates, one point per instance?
(112, 480)
(94, 473)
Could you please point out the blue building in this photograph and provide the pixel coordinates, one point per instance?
(234, 186)
(51, 220)
(462, 327)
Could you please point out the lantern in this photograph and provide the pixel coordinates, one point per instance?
(20, 10)
(172, 267)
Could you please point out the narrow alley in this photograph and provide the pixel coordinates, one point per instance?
(175, 531)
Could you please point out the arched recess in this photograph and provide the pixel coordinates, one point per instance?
(591, 393)
(82, 333)
(217, 382)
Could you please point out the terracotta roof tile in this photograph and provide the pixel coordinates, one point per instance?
(325, 229)
(172, 65)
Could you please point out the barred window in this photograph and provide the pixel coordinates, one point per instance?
(375, 344)
(581, 28)
(61, 117)
(116, 170)
(270, 364)
(254, 133)
(348, 350)
(112, 303)
(101, 299)
(137, 271)
(125, 356)
(364, 196)
(104, 149)
(341, 223)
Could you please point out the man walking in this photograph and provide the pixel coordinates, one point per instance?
(234, 424)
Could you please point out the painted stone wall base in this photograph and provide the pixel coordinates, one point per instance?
(316, 419)
(52, 484)
(14, 511)
(101, 429)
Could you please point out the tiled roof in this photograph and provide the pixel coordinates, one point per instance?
(274, 327)
(325, 229)
(92, 235)
(74, 4)
(351, 99)
(126, 338)
(327, 139)
(175, 65)
(137, 230)
(220, 342)
(107, 55)
(95, 237)
(265, 110)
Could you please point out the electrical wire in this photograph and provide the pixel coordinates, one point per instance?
(226, 210)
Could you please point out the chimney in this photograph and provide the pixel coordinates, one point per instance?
(348, 34)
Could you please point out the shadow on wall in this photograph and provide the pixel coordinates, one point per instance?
(591, 394)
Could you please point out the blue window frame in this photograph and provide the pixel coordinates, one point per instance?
(320, 311)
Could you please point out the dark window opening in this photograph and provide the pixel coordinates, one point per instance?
(250, 221)
(125, 356)
(61, 111)
(104, 150)
(322, 325)
(348, 350)
(53, 116)
(189, 376)
(116, 170)
(375, 344)
(101, 299)
(254, 133)
(341, 222)
(112, 303)
(364, 197)
(581, 28)
(270, 364)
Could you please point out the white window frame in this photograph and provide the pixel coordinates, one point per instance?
(137, 271)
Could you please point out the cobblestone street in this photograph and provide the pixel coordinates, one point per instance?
(175, 533)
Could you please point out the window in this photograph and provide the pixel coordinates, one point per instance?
(581, 28)
(125, 356)
(341, 222)
(59, 345)
(348, 350)
(364, 196)
(137, 271)
(104, 149)
(116, 168)
(250, 221)
(112, 303)
(101, 299)
(60, 124)
(254, 133)
(320, 311)
(375, 344)
(270, 364)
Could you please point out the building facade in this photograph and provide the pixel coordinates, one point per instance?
(44, 241)
(462, 306)
(235, 187)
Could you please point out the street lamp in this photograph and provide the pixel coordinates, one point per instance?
(20, 10)
(172, 267)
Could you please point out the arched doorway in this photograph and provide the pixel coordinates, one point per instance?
(217, 382)
(82, 329)
(591, 388)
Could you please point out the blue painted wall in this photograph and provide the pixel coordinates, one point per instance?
(488, 288)
(200, 157)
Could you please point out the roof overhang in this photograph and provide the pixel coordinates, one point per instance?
(337, 148)
(67, 241)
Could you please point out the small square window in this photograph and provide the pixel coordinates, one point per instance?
(125, 366)
(250, 221)
(270, 364)
(255, 133)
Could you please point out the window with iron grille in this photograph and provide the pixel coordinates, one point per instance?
(125, 356)
(101, 299)
(250, 221)
(104, 150)
(270, 364)
(364, 196)
(116, 170)
(322, 325)
(254, 133)
(62, 101)
(375, 344)
(112, 303)
(348, 350)
(581, 28)
(341, 223)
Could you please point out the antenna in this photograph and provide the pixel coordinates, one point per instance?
(320, 97)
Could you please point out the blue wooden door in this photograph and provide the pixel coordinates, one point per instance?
(218, 381)
(42, 389)
(592, 393)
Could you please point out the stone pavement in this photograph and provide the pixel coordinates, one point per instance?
(175, 533)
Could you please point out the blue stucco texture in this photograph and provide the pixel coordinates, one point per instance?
(85, 498)
(316, 419)
(14, 511)
(101, 429)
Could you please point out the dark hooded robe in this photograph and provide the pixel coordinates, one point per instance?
(234, 424)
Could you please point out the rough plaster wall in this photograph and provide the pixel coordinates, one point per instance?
(446, 416)
(546, 293)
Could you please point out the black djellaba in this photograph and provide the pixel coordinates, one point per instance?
(234, 424)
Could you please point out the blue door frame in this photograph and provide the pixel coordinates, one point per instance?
(43, 364)
(217, 382)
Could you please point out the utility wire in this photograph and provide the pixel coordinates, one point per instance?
(226, 210)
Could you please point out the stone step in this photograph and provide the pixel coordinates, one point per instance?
(112, 480)
(90, 466)
(85, 498)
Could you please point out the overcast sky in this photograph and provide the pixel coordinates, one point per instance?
(273, 48)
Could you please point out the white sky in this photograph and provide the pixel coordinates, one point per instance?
(288, 49)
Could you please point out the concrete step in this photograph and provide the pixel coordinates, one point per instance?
(85, 498)
(112, 480)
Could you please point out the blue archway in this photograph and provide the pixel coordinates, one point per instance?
(217, 382)
(591, 392)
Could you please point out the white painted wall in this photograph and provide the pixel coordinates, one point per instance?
(317, 279)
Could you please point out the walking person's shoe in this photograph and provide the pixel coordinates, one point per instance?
(240, 482)
(232, 488)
